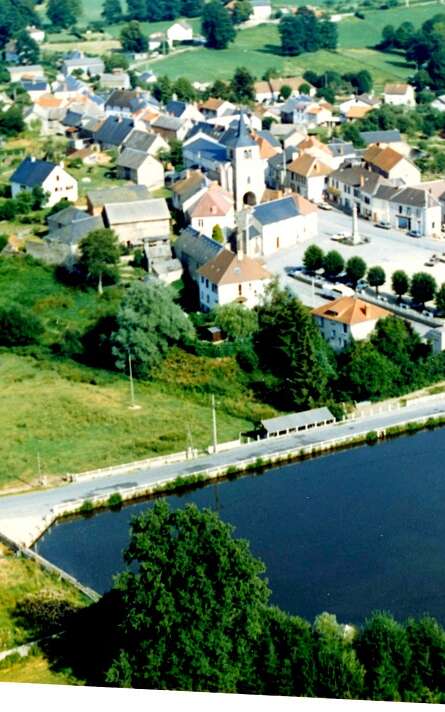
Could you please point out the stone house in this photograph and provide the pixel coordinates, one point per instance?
(347, 319)
(230, 278)
(138, 222)
(51, 177)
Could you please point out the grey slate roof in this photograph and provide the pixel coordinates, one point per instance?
(121, 194)
(73, 233)
(32, 172)
(125, 99)
(130, 158)
(342, 148)
(114, 131)
(200, 248)
(239, 137)
(390, 136)
(415, 197)
(34, 85)
(270, 138)
(176, 108)
(138, 211)
(141, 140)
(355, 175)
(275, 211)
(168, 123)
(297, 420)
(65, 217)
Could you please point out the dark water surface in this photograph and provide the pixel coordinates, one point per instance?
(351, 532)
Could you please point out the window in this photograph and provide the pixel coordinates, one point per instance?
(248, 154)
(400, 208)
(345, 328)
(207, 283)
(240, 289)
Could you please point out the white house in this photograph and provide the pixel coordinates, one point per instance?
(138, 221)
(214, 207)
(399, 95)
(278, 224)
(391, 164)
(408, 209)
(27, 71)
(180, 31)
(187, 191)
(51, 177)
(91, 66)
(261, 10)
(307, 175)
(229, 278)
(347, 319)
(269, 91)
(141, 168)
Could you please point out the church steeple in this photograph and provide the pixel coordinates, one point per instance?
(243, 138)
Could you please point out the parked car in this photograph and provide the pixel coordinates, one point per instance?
(362, 284)
(384, 224)
(428, 312)
(430, 263)
(404, 306)
(324, 206)
(414, 233)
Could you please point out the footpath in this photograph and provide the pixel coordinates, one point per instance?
(25, 517)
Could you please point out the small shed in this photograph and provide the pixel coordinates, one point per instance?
(296, 422)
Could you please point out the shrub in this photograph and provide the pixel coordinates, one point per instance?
(19, 326)
(115, 500)
(371, 437)
(86, 507)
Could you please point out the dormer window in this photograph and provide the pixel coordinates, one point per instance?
(247, 154)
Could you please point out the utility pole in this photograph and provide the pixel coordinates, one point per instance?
(215, 439)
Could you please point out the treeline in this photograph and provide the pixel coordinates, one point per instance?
(424, 47)
(304, 32)
(15, 16)
(331, 83)
(192, 612)
(163, 9)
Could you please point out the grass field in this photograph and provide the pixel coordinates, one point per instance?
(34, 669)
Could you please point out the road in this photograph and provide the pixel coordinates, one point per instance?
(391, 249)
(22, 514)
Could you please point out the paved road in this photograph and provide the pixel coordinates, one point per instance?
(21, 514)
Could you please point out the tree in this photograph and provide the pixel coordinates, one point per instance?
(27, 49)
(112, 11)
(236, 321)
(313, 258)
(19, 326)
(192, 603)
(217, 26)
(397, 340)
(99, 255)
(242, 85)
(149, 323)
(440, 299)
(376, 277)
(132, 38)
(382, 647)
(286, 91)
(400, 283)
(64, 13)
(333, 263)
(368, 374)
(163, 89)
(16, 16)
(11, 121)
(115, 61)
(218, 235)
(184, 89)
(292, 351)
(327, 33)
(192, 8)
(351, 132)
(241, 12)
(423, 288)
(355, 270)
(137, 9)
(339, 673)
(426, 673)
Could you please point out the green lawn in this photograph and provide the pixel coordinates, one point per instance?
(366, 33)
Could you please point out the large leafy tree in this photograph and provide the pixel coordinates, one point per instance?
(400, 283)
(242, 85)
(16, 15)
(355, 269)
(383, 648)
(149, 322)
(313, 258)
(64, 13)
(426, 672)
(236, 321)
(423, 287)
(376, 277)
(19, 326)
(99, 255)
(217, 27)
(366, 373)
(192, 8)
(241, 11)
(193, 602)
(333, 263)
(396, 339)
(112, 11)
(292, 351)
(132, 38)
(27, 49)
(339, 672)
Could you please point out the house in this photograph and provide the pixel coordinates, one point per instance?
(169, 127)
(355, 113)
(303, 110)
(355, 184)
(359, 100)
(194, 250)
(347, 319)
(214, 207)
(180, 31)
(399, 95)
(391, 164)
(28, 71)
(229, 278)
(408, 208)
(66, 229)
(91, 66)
(390, 138)
(155, 41)
(69, 87)
(35, 88)
(49, 112)
(182, 110)
(150, 143)
(141, 168)
(113, 132)
(36, 34)
(125, 102)
(269, 91)
(97, 199)
(117, 79)
(343, 151)
(277, 224)
(215, 108)
(261, 10)
(187, 191)
(307, 175)
(51, 177)
(139, 221)
(288, 134)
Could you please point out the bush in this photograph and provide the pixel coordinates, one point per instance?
(86, 507)
(115, 500)
(371, 437)
(19, 326)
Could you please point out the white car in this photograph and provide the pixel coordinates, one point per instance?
(324, 206)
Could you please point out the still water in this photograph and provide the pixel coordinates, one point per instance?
(349, 533)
